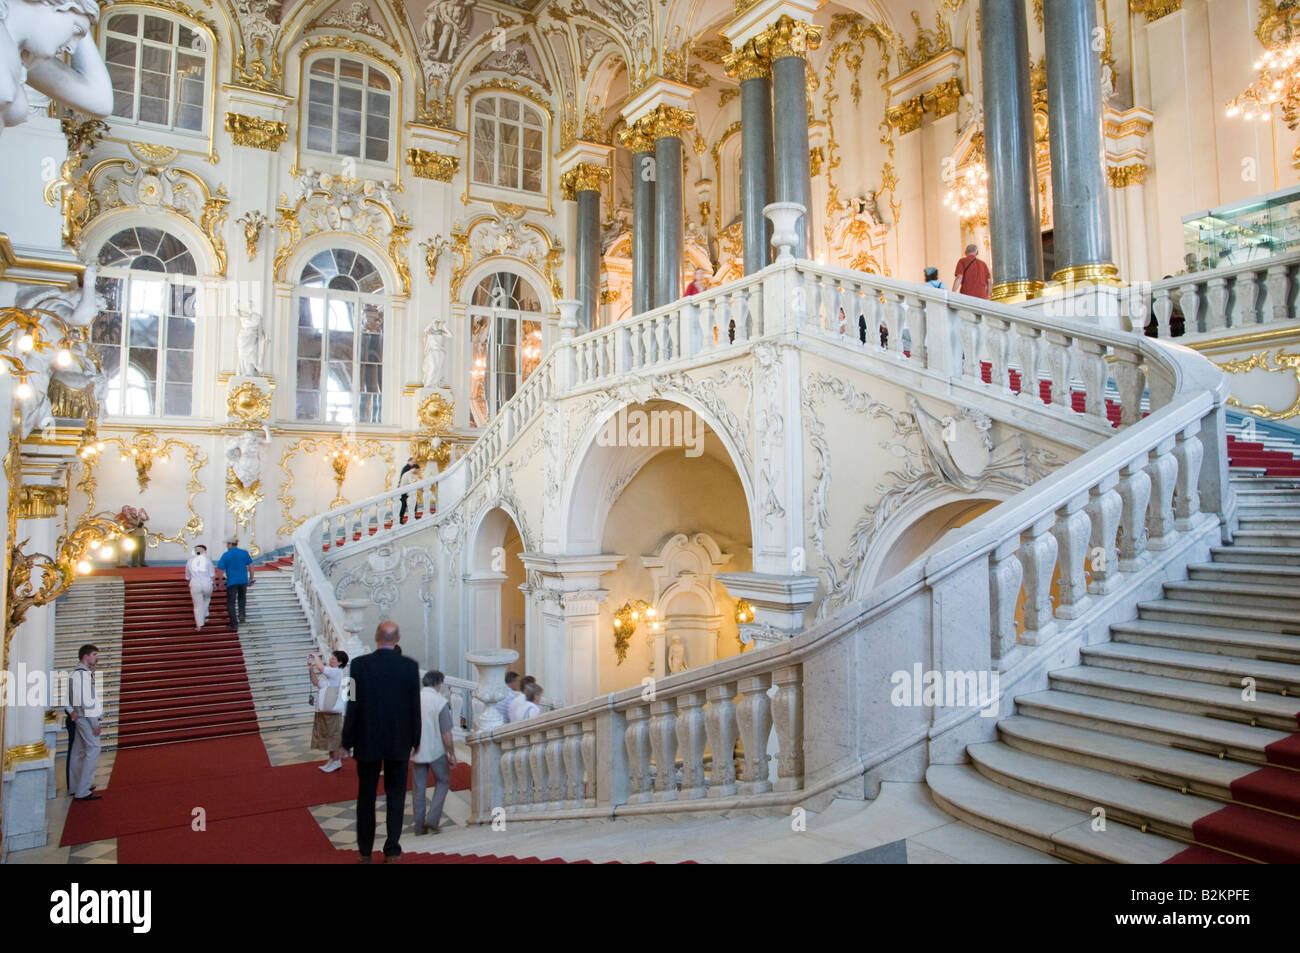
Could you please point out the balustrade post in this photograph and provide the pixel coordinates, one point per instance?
(663, 744)
(1134, 493)
(754, 715)
(690, 742)
(787, 716)
(637, 739)
(537, 761)
(522, 765)
(720, 725)
(571, 795)
(1189, 302)
(970, 345)
(508, 782)
(942, 352)
(1163, 472)
(1027, 348)
(1188, 452)
(1248, 295)
(1072, 529)
(996, 341)
(1279, 291)
(555, 776)
(1216, 296)
(1164, 309)
(1058, 362)
(1127, 370)
(1092, 369)
(1037, 554)
(1005, 574)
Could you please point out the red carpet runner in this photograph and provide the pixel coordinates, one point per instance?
(189, 755)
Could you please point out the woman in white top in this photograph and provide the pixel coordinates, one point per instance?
(527, 705)
(199, 573)
(331, 702)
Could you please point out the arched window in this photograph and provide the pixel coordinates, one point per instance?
(349, 108)
(508, 144)
(159, 68)
(144, 337)
(340, 339)
(506, 339)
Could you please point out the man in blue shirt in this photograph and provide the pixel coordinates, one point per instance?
(236, 565)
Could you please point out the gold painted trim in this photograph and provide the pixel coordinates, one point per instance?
(1259, 362)
(1022, 290)
(1097, 273)
(427, 164)
(369, 448)
(20, 754)
(1287, 334)
(257, 133)
(196, 458)
(1126, 175)
(11, 259)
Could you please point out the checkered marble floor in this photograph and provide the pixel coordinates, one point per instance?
(339, 821)
(290, 746)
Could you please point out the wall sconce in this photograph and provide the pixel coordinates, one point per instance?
(744, 612)
(340, 458)
(625, 623)
(144, 451)
(26, 330)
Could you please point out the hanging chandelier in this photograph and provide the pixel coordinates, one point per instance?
(968, 192)
(1277, 82)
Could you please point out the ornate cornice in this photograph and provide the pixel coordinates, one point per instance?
(1123, 176)
(257, 133)
(668, 121)
(432, 165)
(942, 100)
(583, 177)
(749, 62)
(906, 116)
(1155, 9)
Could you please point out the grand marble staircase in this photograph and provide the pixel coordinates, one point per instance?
(1177, 738)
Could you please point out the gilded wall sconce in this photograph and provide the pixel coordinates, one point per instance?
(144, 451)
(625, 623)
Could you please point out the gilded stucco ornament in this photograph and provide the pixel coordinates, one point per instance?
(432, 165)
(433, 249)
(1283, 363)
(249, 405)
(340, 453)
(749, 62)
(790, 37)
(256, 133)
(583, 177)
(70, 193)
(253, 223)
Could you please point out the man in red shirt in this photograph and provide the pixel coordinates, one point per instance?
(973, 276)
(699, 283)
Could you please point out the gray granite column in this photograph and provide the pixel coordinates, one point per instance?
(669, 124)
(1009, 151)
(582, 184)
(788, 43)
(643, 209)
(1081, 215)
(756, 156)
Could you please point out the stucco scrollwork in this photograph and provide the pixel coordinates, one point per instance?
(384, 573)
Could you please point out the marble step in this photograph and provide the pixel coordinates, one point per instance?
(1259, 573)
(1278, 678)
(1267, 538)
(1244, 643)
(1212, 736)
(1185, 771)
(1256, 595)
(1062, 832)
(1256, 555)
(1148, 807)
(1228, 617)
(1198, 698)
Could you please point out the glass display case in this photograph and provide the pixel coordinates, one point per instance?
(1250, 230)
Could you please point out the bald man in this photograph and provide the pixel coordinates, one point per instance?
(382, 729)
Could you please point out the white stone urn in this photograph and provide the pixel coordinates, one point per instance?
(568, 317)
(491, 688)
(785, 217)
(353, 611)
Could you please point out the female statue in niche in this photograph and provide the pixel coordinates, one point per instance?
(33, 34)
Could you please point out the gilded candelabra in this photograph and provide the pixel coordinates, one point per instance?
(1277, 82)
(21, 329)
(144, 451)
(341, 458)
(625, 623)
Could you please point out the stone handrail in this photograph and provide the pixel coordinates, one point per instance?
(671, 746)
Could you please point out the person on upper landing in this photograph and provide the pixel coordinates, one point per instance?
(699, 283)
(973, 276)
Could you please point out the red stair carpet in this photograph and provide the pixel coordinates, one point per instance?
(188, 748)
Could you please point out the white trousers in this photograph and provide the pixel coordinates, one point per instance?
(201, 597)
(85, 755)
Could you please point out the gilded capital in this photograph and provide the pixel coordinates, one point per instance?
(1126, 175)
(583, 177)
(39, 501)
(432, 165)
(1155, 9)
(906, 117)
(942, 100)
(790, 37)
(749, 62)
(669, 121)
(637, 137)
(255, 132)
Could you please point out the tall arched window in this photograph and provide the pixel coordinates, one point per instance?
(506, 340)
(144, 337)
(349, 108)
(159, 68)
(508, 144)
(341, 306)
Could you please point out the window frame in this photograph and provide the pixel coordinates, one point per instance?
(208, 101)
(493, 376)
(540, 199)
(359, 301)
(129, 276)
(370, 65)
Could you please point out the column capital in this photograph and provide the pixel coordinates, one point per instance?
(790, 37)
(583, 177)
(637, 137)
(749, 61)
(39, 501)
(669, 121)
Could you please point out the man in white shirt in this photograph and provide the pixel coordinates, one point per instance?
(85, 709)
(200, 574)
(527, 705)
(437, 753)
(512, 686)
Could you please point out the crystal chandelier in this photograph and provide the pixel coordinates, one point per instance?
(1278, 84)
(968, 192)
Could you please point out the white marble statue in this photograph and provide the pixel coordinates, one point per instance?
(33, 36)
(435, 352)
(1107, 82)
(251, 343)
(244, 455)
(676, 656)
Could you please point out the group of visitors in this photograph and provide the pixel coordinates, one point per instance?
(524, 699)
(235, 565)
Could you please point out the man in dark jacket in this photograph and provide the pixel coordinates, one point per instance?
(382, 728)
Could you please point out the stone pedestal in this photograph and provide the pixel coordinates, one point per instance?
(778, 603)
(353, 623)
(491, 665)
